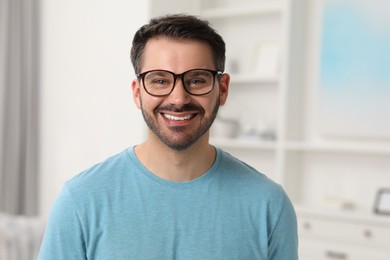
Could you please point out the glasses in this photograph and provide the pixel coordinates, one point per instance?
(196, 82)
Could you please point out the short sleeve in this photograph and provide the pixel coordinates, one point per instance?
(283, 242)
(63, 239)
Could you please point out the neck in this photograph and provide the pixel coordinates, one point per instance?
(177, 166)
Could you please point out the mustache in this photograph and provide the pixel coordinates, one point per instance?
(184, 108)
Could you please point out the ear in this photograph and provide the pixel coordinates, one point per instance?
(224, 82)
(136, 93)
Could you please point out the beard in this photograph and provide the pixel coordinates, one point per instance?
(187, 140)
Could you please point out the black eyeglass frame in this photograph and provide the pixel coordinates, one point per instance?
(141, 76)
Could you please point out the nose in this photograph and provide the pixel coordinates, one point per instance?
(179, 95)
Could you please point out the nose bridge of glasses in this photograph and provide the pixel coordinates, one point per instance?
(179, 78)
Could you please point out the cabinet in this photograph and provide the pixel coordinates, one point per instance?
(273, 58)
(327, 235)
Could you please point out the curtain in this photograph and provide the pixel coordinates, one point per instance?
(19, 94)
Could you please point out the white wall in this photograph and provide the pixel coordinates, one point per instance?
(87, 111)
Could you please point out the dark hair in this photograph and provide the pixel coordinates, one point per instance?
(178, 26)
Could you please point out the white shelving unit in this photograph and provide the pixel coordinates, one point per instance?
(322, 176)
(242, 10)
(242, 79)
(246, 26)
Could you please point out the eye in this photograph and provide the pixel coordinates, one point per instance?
(158, 79)
(197, 81)
(198, 78)
(160, 82)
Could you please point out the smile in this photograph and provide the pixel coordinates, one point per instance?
(177, 118)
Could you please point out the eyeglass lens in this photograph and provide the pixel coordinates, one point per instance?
(196, 82)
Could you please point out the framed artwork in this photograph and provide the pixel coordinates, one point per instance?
(382, 203)
(266, 61)
(354, 94)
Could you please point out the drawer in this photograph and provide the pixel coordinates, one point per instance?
(317, 249)
(366, 234)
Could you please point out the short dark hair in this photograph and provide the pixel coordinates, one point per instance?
(178, 26)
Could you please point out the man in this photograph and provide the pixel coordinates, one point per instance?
(174, 196)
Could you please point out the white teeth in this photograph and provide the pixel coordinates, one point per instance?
(177, 118)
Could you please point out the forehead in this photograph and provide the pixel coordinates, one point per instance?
(177, 55)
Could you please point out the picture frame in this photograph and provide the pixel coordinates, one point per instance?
(382, 202)
(267, 59)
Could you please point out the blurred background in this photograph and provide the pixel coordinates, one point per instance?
(309, 107)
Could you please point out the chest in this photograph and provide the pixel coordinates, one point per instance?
(179, 225)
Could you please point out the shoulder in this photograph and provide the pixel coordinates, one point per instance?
(243, 174)
(253, 189)
(249, 185)
(100, 175)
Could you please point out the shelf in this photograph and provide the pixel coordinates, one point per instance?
(346, 215)
(250, 79)
(238, 11)
(244, 143)
(311, 167)
(340, 147)
(355, 148)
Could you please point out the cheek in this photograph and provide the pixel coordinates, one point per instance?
(148, 103)
(210, 105)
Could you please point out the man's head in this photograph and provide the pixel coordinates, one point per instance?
(179, 85)
(178, 27)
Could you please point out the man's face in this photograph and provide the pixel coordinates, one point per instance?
(179, 119)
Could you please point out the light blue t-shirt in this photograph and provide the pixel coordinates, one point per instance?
(120, 210)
